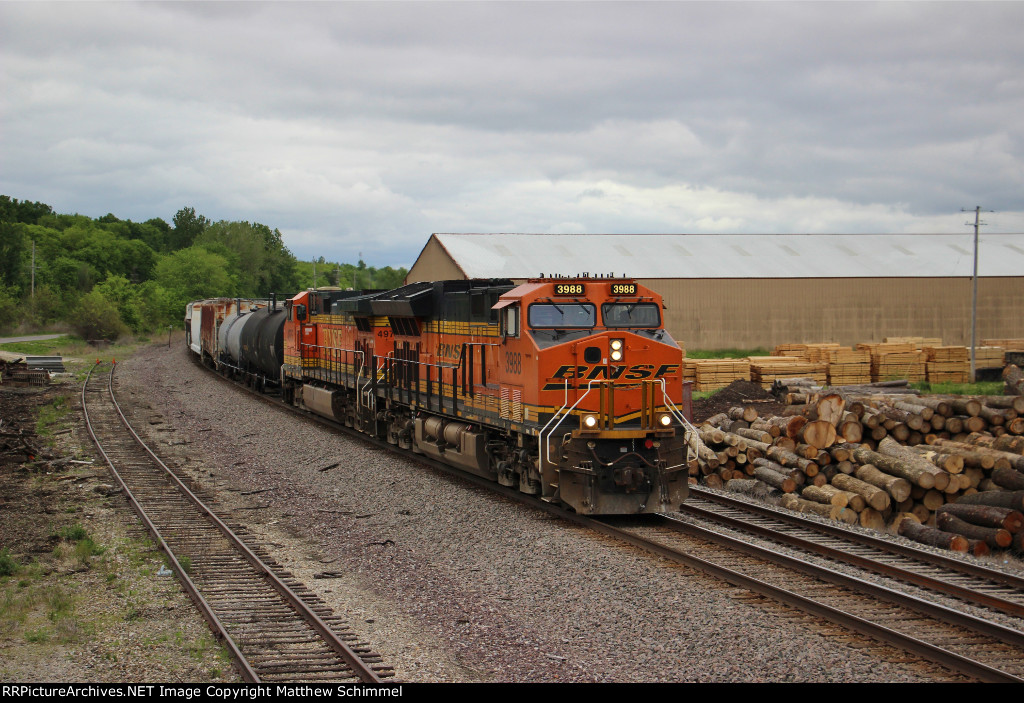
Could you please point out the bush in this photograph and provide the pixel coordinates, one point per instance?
(97, 318)
(10, 308)
(8, 564)
(72, 533)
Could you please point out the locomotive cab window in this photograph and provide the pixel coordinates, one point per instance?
(631, 315)
(562, 315)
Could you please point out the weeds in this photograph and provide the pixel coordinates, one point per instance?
(8, 564)
(72, 533)
(60, 604)
(86, 549)
(981, 388)
(50, 416)
(38, 636)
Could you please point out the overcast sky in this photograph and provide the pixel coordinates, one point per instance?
(365, 127)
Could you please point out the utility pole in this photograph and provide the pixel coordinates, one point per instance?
(974, 281)
(33, 269)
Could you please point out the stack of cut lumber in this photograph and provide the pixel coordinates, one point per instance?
(989, 357)
(918, 342)
(848, 366)
(815, 458)
(712, 374)
(1005, 344)
(896, 360)
(948, 364)
(807, 352)
(766, 369)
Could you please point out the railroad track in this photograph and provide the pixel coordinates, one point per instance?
(275, 629)
(960, 642)
(970, 582)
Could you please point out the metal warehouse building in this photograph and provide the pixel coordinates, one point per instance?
(750, 290)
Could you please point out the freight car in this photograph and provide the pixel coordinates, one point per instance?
(567, 388)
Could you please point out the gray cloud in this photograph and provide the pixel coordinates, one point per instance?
(370, 125)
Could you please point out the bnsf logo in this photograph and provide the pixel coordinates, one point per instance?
(636, 372)
(449, 351)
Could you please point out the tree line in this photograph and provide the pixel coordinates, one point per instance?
(105, 277)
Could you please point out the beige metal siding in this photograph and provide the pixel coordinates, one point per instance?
(434, 264)
(748, 313)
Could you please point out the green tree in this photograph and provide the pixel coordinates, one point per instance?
(12, 249)
(10, 307)
(187, 227)
(124, 296)
(192, 274)
(259, 259)
(13, 210)
(46, 306)
(97, 318)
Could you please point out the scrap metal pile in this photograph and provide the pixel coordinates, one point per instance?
(19, 373)
(942, 470)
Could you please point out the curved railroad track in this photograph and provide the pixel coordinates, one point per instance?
(965, 580)
(275, 629)
(962, 643)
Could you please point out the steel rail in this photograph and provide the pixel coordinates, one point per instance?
(361, 669)
(939, 560)
(219, 631)
(897, 572)
(937, 654)
(939, 612)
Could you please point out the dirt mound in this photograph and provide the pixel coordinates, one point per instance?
(737, 393)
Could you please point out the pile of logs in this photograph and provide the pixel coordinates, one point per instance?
(1014, 379)
(888, 460)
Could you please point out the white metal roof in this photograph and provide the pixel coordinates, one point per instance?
(735, 255)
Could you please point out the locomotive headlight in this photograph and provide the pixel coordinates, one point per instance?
(616, 346)
(665, 420)
(589, 421)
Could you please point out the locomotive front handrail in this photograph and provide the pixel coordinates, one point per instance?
(567, 414)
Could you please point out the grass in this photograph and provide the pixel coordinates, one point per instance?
(51, 417)
(72, 533)
(981, 388)
(71, 346)
(85, 548)
(42, 347)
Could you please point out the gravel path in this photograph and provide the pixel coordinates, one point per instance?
(450, 583)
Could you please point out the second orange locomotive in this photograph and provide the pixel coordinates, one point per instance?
(569, 388)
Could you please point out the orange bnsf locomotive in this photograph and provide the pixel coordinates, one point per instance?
(567, 388)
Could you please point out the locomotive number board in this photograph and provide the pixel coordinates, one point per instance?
(570, 289)
(623, 289)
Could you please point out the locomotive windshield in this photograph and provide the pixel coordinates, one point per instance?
(562, 315)
(631, 315)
